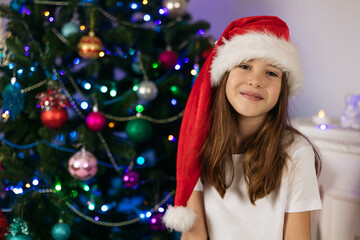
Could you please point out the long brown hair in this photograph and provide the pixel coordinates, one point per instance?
(264, 153)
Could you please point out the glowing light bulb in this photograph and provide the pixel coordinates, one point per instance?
(323, 126)
(148, 214)
(139, 108)
(174, 89)
(91, 207)
(82, 27)
(161, 11)
(84, 105)
(76, 61)
(35, 182)
(104, 208)
(101, 54)
(147, 17)
(87, 86)
(111, 125)
(140, 160)
(113, 93)
(171, 138)
(193, 72)
(104, 89)
(27, 185)
(145, 2)
(58, 187)
(133, 6)
(46, 13)
(86, 188)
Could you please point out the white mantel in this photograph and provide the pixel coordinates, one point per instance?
(339, 181)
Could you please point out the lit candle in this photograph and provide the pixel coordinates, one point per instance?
(320, 118)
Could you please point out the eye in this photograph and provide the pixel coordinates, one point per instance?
(244, 66)
(273, 74)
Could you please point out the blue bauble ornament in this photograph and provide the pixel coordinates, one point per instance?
(69, 29)
(19, 237)
(61, 231)
(13, 99)
(15, 5)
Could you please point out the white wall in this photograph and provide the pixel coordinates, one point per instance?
(327, 33)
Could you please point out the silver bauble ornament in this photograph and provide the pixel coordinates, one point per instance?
(147, 90)
(69, 29)
(176, 8)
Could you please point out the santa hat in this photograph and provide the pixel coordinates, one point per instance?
(265, 37)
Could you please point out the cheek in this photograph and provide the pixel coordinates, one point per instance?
(275, 92)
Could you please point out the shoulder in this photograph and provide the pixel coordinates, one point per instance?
(300, 145)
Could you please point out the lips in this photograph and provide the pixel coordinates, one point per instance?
(251, 96)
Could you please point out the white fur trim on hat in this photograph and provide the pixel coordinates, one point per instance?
(180, 219)
(280, 52)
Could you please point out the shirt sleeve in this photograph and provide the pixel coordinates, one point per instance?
(303, 191)
(199, 186)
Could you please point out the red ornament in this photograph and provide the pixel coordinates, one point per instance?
(4, 225)
(168, 59)
(52, 99)
(89, 47)
(54, 118)
(131, 179)
(95, 121)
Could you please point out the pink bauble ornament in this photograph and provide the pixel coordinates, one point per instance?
(82, 165)
(131, 179)
(168, 59)
(95, 121)
(156, 223)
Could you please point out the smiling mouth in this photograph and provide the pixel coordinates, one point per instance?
(251, 96)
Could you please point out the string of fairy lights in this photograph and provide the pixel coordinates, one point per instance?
(58, 76)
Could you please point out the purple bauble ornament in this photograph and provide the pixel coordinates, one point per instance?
(95, 121)
(131, 179)
(83, 165)
(168, 59)
(155, 222)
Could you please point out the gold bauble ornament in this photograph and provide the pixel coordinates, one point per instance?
(89, 46)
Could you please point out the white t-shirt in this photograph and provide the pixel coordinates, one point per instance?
(234, 217)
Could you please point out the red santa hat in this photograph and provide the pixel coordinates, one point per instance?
(265, 37)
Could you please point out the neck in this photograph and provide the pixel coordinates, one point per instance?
(247, 127)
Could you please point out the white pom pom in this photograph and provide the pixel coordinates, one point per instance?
(180, 219)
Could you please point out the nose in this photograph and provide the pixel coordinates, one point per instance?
(254, 80)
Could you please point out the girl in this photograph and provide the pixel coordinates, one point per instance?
(243, 171)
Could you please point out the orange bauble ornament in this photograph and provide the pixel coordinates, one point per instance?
(89, 46)
(54, 118)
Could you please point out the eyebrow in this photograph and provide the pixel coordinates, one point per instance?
(276, 67)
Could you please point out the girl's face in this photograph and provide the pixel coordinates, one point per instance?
(253, 88)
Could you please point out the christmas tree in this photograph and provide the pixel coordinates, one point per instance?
(92, 95)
